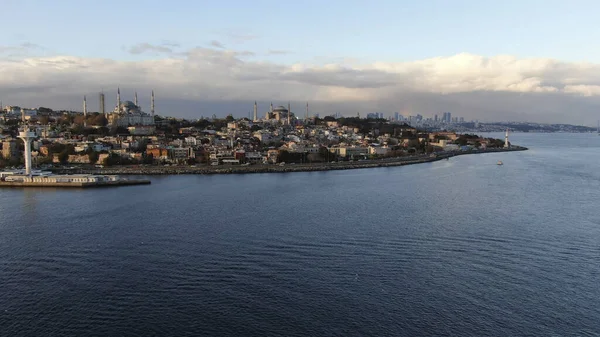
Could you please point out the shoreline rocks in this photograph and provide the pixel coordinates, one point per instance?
(175, 170)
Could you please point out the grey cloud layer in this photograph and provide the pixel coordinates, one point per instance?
(220, 75)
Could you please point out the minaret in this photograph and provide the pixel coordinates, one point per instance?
(288, 115)
(255, 112)
(271, 107)
(506, 139)
(23, 115)
(306, 110)
(27, 136)
(118, 99)
(84, 112)
(135, 101)
(152, 103)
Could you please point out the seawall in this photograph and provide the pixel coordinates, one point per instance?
(74, 184)
(222, 169)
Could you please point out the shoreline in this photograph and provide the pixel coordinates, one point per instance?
(274, 168)
(20, 184)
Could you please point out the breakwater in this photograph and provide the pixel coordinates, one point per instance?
(74, 184)
(226, 169)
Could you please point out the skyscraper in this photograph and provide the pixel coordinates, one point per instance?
(101, 100)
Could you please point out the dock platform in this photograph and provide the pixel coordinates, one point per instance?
(16, 184)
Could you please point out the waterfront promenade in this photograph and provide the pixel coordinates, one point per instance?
(275, 168)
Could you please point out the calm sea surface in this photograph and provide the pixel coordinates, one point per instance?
(462, 247)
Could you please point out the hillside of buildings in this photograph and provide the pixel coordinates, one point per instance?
(128, 136)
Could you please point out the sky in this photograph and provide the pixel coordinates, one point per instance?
(511, 60)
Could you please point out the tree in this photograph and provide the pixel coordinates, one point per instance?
(63, 157)
(44, 120)
(79, 119)
(324, 153)
(98, 120)
(314, 157)
(93, 157)
(148, 158)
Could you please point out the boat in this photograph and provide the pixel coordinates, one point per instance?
(499, 163)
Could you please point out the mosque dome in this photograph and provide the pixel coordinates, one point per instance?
(280, 108)
(128, 105)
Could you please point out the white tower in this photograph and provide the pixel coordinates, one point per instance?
(288, 115)
(506, 139)
(152, 103)
(27, 136)
(84, 113)
(255, 112)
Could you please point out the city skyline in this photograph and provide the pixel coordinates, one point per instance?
(502, 62)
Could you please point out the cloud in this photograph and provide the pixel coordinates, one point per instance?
(142, 48)
(168, 43)
(278, 52)
(487, 88)
(217, 44)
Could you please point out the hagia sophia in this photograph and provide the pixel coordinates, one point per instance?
(278, 115)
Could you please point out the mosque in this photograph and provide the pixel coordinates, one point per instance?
(280, 114)
(129, 115)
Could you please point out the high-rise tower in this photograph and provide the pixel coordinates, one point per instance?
(84, 112)
(288, 115)
(101, 100)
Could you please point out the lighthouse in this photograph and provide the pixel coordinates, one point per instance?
(506, 140)
(27, 136)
